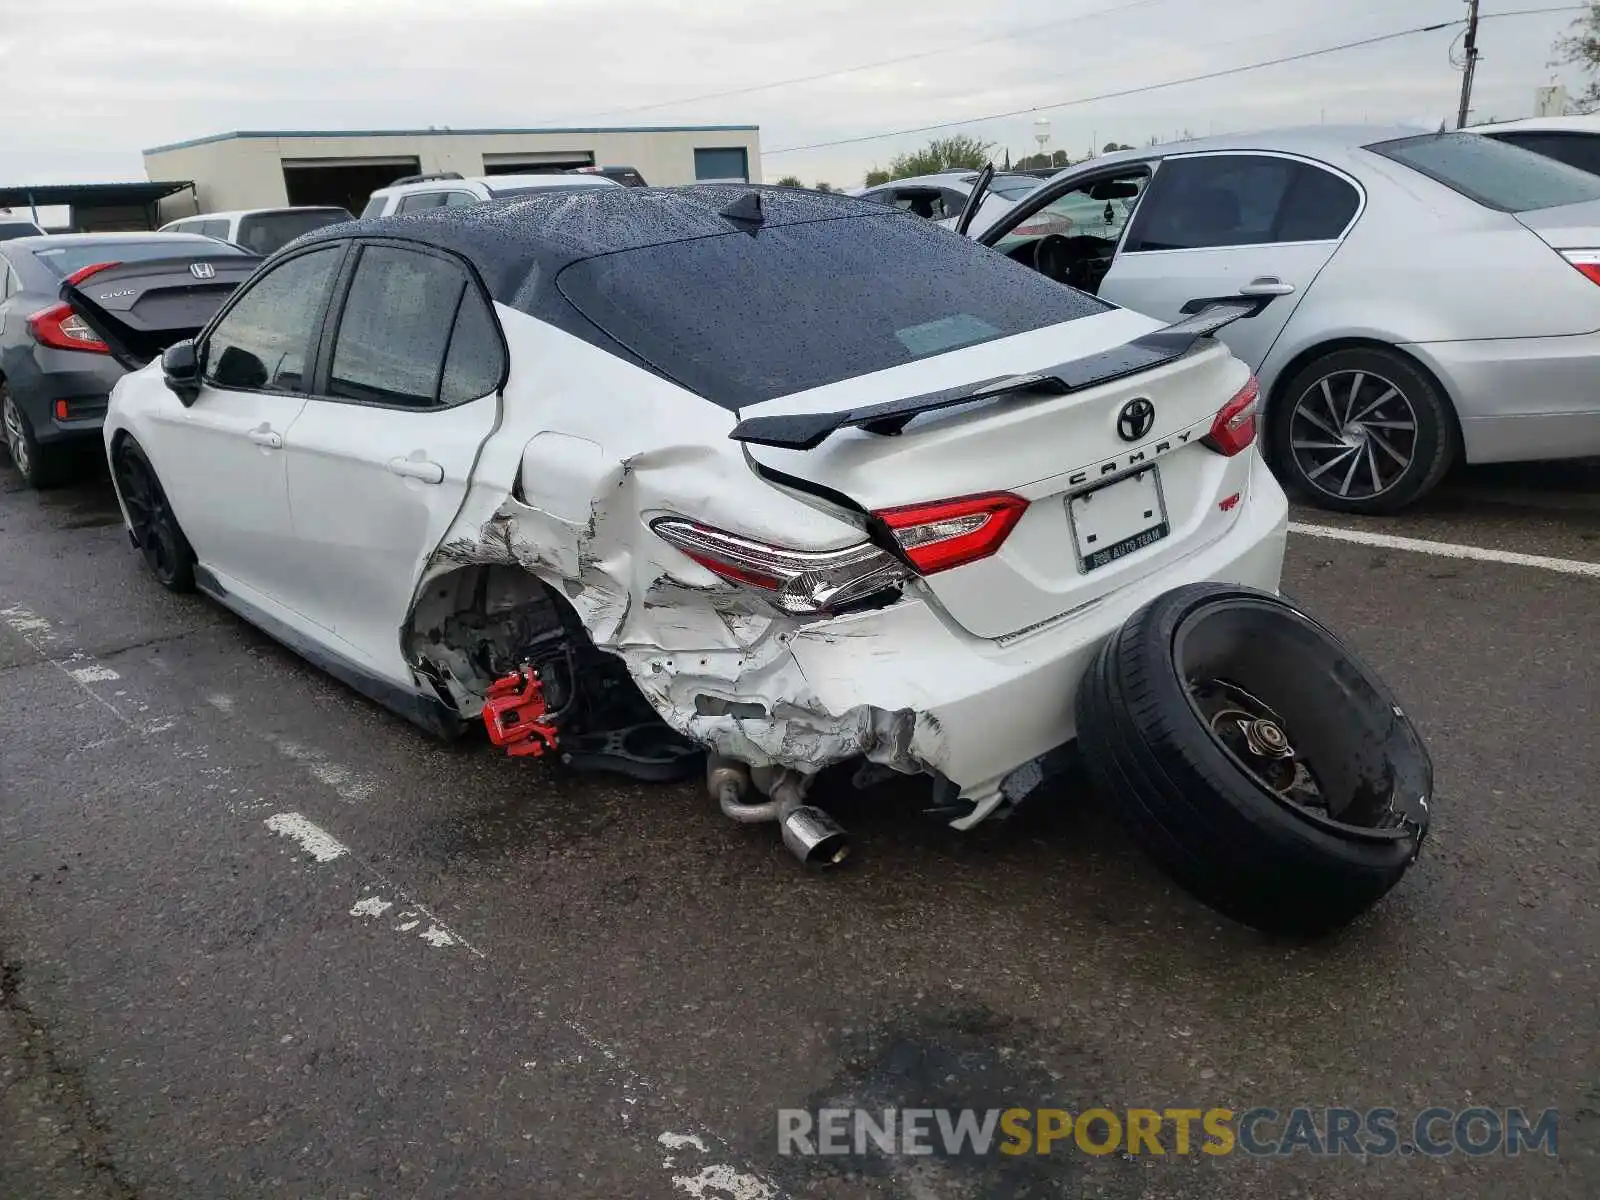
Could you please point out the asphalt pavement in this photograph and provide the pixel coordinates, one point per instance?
(260, 939)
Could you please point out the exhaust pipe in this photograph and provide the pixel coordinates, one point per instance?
(811, 835)
(814, 837)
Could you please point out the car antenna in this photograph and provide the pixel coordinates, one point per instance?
(746, 210)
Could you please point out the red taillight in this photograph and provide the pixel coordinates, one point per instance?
(62, 329)
(83, 273)
(951, 533)
(1586, 261)
(1234, 430)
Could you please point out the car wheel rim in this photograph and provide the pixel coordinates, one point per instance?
(16, 442)
(1353, 435)
(149, 517)
(1302, 720)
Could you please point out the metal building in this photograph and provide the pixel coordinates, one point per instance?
(271, 168)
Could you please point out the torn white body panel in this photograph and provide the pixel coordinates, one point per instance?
(903, 685)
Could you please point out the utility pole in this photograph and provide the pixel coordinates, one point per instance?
(1470, 46)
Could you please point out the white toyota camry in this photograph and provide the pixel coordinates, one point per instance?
(776, 480)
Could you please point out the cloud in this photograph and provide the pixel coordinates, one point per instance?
(87, 83)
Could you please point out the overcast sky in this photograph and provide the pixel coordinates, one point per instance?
(86, 84)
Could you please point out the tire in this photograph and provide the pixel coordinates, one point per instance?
(39, 466)
(1190, 800)
(1321, 451)
(150, 517)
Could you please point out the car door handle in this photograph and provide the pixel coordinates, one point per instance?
(269, 438)
(417, 468)
(1267, 285)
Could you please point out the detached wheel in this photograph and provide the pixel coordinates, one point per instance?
(1255, 758)
(166, 551)
(1363, 431)
(38, 465)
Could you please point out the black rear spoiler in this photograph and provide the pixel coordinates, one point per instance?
(806, 431)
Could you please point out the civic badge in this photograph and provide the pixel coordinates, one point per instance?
(202, 270)
(1135, 419)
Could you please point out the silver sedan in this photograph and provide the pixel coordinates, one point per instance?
(1429, 297)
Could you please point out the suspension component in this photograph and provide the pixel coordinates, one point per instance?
(515, 715)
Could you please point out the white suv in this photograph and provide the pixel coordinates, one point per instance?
(259, 230)
(449, 190)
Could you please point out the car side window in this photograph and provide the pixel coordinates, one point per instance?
(414, 333)
(421, 201)
(459, 199)
(262, 341)
(922, 202)
(1581, 150)
(214, 229)
(374, 207)
(1240, 200)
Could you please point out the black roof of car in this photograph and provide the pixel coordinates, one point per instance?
(518, 240)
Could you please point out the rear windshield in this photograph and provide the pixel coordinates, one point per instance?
(266, 232)
(64, 260)
(17, 229)
(1494, 174)
(740, 318)
(1013, 188)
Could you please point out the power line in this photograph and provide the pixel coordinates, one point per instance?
(1020, 31)
(1153, 87)
(1118, 95)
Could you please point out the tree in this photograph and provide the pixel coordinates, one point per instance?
(1060, 159)
(876, 176)
(790, 181)
(824, 187)
(1113, 147)
(1580, 47)
(953, 153)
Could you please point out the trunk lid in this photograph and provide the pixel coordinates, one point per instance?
(1153, 497)
(1566, 227)
(140, 308)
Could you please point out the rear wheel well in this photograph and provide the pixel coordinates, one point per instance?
(1292, 368)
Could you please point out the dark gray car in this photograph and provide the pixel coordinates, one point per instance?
(56, 373)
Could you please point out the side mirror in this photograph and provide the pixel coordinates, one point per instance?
(180, 367)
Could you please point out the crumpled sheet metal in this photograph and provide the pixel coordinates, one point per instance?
(684, 635)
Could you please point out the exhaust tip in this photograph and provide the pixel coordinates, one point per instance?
(815, 838)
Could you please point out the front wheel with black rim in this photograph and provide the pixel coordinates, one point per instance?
(150, 517)
(1255, 758)
(1362, 430)
(38, 465)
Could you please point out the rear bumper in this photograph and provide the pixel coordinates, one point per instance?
(1521, 398)
(52, 376)
(905, 687)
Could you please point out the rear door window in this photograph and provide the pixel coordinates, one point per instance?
(262, 342)
(263, 233)
(1491, 172)
(414, 333)
(739, 319)
(421, 201)
(211, 229)
(1218, 200)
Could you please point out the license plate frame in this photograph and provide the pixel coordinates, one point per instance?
(1092, 544)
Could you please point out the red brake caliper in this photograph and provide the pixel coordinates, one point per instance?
(514, 715)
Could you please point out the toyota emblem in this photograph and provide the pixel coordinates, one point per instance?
(1135, 419)
(202, 270)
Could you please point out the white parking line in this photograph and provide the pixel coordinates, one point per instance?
(1388, 541)
(82, 669)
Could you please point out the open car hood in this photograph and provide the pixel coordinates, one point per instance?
(138, 309)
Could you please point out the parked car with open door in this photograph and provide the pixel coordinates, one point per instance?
(1435, 295)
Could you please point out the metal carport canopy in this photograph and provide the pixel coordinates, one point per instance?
(90, 195)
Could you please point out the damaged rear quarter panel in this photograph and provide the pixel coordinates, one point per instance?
(600, 449)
